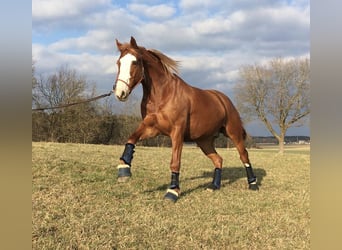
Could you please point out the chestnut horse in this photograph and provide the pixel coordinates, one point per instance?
(173, 108)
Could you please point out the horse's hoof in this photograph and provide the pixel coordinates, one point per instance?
(253, 186)
(212, 187)
(124, 173)
(123, 179)
(171, 195)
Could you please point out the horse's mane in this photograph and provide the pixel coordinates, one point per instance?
(170, 66)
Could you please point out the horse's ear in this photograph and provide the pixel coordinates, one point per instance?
(134, 43)
(118, 44)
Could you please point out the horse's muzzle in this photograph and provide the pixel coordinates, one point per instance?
(122, 97)
(121, 90)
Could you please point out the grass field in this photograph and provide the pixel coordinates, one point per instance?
(78, 204)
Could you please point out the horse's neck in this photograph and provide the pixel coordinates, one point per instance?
(154, 85)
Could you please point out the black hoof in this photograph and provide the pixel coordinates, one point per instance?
(123, 179)
(253, 186)
(124, 173)
(171, 195)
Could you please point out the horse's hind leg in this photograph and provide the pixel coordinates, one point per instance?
(238, 140)
(207, 146)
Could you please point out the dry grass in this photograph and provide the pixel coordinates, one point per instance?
(77, 203)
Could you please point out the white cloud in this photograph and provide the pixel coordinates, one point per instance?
(94, 40)
(212, 26)
(220, 24)
(193, 5)
(42, 9)
(159, 12)
(100, 69)
(211, 38)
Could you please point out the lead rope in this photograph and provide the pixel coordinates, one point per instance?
(74, 103)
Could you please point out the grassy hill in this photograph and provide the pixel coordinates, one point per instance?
(78, 204)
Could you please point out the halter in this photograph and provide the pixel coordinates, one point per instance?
(127, 84)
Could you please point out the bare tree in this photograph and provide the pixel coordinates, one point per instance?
(277, 93)
(34, 84)
(92, 122)
(63, 87)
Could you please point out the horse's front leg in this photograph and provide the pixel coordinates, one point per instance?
(173, 191)
(145, 130)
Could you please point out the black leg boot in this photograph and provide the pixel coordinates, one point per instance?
(251, 178)
(124, 172)
(216, 184)
(173, 191)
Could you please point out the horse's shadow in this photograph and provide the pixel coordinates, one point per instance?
(229, 176)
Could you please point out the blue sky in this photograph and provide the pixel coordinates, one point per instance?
(212, 39)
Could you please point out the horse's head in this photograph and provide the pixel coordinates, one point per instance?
(130, 69)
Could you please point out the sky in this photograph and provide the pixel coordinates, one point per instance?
(212, 39)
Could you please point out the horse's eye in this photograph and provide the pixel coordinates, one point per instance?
(134, 62)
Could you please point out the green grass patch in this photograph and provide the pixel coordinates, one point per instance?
(78, 204)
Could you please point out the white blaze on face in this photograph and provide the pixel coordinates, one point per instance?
(121, 89)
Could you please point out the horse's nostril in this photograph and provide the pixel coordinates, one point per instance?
(122, 94)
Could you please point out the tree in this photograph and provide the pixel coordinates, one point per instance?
(65, 86)
(91, 122)
(277, 93)
(34, 84)
(62, 125)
